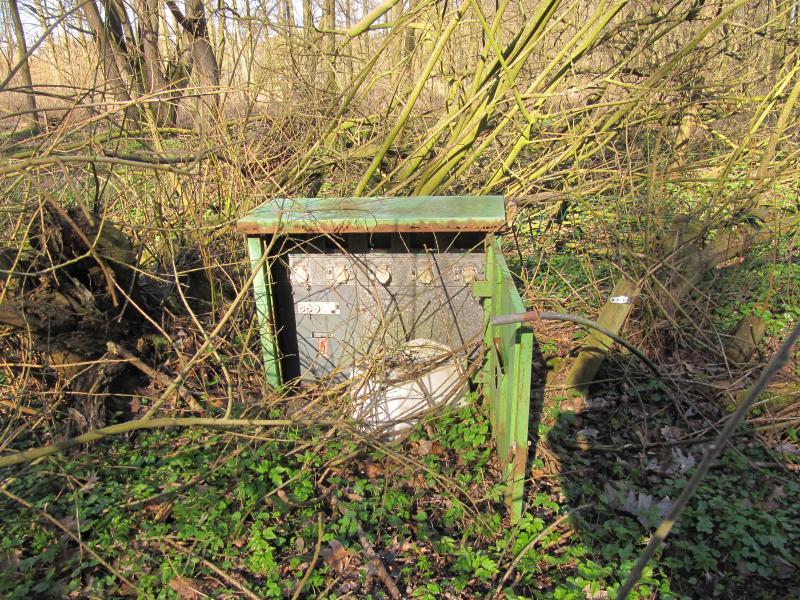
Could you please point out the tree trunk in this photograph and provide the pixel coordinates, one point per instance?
(745, 339)
(248, 50)
(689, 123)
(120, 27)
(204, 61)
(222, 29)
(25, 69)
(123, 42)
(399, 45)
(153, 80)
(366, 35)
(308, 37)
(411, 34)
(778, 31)
(287, 26)
(348, 57)
(288, 18)
(113, 62)
(689, 258)
(329, 20)
(202, 53)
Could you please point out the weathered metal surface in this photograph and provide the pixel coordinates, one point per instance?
(383, 300)
(379, 215)
(507, 377)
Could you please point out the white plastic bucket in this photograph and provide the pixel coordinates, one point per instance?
(392, 392)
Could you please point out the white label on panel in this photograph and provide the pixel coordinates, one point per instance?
(318, 308)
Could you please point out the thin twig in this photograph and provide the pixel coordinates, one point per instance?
(373, 557)
(298, 590)
(104, 432)
(383, 574)
(201, 351)
(25, 410)
(521, 554)
(646, 446)
(152, 373)
(774, 365)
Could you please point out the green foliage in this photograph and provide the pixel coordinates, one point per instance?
(226, 518)
(764, 286)
(163, 506)
(734, 518)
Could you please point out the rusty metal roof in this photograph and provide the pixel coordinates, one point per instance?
(378, 214)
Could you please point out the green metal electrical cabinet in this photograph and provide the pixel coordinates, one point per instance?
(339, 281)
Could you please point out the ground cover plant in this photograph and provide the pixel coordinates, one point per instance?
(651, 145)
(182, 514)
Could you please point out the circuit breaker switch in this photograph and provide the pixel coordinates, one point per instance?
(341, 274)
(469, 274)
(383, 274)
(425, 276)
(300, 275)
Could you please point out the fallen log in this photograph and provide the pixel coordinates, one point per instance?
(778, 396)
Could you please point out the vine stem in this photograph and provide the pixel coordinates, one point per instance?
(98, 434)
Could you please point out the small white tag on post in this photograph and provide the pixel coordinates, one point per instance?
(620, 299)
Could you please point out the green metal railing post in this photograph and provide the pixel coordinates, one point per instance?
(262, 289)
(507, 376)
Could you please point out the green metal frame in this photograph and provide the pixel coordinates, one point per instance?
(378, 214)
(262, 290)
(506, 374)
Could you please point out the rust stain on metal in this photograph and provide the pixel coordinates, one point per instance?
(519, 460)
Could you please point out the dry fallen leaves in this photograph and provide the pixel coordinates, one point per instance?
(373, 470)
(336, 556)
(186, 588)
(160, 510)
